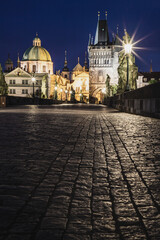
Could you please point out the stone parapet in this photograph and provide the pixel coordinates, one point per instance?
(143, 101)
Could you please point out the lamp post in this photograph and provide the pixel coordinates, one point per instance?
(66, 94)
(103, 92)
(128, 50)
(55, 93)
(33, 80)
(61, 93)
(70, 95)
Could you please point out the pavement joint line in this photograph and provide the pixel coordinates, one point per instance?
(150, 193)
(128, 185)
(34, 190)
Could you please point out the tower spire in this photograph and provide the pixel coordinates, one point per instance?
(151, 70)
(85, 61)
(117, 28)
(78, 60)
(18, 61)
(65, 61)
(106, 14)
(98, 15)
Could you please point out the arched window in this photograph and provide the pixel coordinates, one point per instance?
(34, 68)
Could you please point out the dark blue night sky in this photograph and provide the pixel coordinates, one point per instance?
(66, 25)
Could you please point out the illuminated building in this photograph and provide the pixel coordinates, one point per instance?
(103, 60)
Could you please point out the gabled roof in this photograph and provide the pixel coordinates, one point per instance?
(78, 67)
(18, 72)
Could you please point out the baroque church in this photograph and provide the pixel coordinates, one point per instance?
(87, 84)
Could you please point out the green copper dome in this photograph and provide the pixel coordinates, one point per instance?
(36, 53)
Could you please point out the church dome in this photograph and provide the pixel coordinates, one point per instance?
(36, 53)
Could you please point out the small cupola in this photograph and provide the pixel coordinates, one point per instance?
(36, 41)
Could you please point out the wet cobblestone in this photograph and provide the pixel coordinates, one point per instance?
(78, 172)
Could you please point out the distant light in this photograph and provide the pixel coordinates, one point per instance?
(66, 91)
(104, 90)
(80, 94)
(128, 48)
(61, 90)
(70, 92)
(33, 79)
(55, 88)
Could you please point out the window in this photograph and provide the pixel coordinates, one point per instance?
(12, 91)
(14, 81)
(25, 82)
(34, 68)
(44, 68)
(65, 76)
(37, 82)
(10, 83)
(24, 91)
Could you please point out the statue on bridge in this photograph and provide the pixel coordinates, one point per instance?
(122, 69)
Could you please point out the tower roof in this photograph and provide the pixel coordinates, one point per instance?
(102, 35)
(36, 53)
(8, 61)
(65, 69)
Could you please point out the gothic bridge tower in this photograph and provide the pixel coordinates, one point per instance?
(103, 59)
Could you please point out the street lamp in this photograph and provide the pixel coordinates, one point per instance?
(128, 50)
(66, 94)
(55, 93)
(33, 80)
(61, 93)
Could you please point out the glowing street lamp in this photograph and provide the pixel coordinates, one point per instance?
(66, 94)
(61, 93)
(128, 50)
(33, 80)
(55, 92)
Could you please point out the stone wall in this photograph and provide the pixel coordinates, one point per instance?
(6, 101)
(144, 101)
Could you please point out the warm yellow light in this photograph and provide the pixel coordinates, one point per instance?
(55, 88)
(80, 94)
(66, 91)
(128, 48)
(70, 92)
(61, 90)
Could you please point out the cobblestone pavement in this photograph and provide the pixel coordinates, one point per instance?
(78, 172)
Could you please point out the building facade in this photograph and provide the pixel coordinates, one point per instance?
(103, 60)
(32, 76)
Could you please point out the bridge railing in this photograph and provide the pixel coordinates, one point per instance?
(143, 101)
